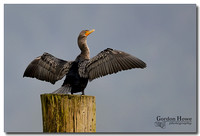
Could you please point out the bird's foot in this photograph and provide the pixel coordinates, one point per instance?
(83, 93)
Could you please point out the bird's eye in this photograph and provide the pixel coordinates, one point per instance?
(86, 32)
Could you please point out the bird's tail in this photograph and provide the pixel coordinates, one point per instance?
(63, 90)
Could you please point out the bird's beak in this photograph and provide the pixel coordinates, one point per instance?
(89, 32)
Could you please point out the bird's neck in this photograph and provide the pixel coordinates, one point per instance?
(85, 52)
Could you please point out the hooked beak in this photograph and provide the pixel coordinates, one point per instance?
(89, 32)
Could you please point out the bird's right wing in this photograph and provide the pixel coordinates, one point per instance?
(111, 61)
(48, 68)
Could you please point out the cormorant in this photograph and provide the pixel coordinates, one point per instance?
(51, 69)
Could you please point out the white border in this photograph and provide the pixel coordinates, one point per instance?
(2, 68)
(2, 2)
(100, 1)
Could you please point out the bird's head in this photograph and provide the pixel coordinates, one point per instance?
(85, 33)
(82, 38)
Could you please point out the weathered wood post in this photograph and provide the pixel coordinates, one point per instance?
(68, 113)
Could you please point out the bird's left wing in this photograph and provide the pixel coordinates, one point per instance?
(111, 61)
(48, 68)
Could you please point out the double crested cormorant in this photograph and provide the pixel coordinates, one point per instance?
(78, 72)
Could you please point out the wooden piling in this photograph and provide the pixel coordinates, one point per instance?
(68, 113)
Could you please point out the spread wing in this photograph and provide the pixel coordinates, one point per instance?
(48, 68)
(111, 61)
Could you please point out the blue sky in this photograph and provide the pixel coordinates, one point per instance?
(163, 36)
